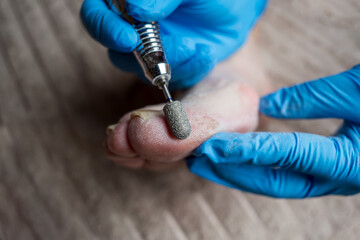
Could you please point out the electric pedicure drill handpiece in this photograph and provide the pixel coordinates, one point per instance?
(151, 57)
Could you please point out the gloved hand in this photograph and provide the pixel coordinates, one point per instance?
(196, 33)
(292, 165)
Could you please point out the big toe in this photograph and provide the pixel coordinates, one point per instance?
(145, 133)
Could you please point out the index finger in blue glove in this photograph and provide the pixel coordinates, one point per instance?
(306, 153)
(335, 96)
(107, 27)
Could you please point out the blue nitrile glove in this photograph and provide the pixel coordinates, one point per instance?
(292, 165)
(196, 33)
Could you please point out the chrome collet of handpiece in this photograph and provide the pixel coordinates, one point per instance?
(149, 53)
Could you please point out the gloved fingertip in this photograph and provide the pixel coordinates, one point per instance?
(214, 148)
(274, 104)
(197, 152)
(197, 165)
(266, 105)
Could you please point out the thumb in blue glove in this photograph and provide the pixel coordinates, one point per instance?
(292, 165)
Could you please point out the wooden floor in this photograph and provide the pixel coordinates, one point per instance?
(58, 92)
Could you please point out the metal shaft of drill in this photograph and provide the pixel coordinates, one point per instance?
(166, 92)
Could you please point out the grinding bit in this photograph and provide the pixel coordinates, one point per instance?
(177, 120)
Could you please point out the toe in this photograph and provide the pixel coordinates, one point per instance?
(117, 141)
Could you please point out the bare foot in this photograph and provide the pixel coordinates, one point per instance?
(224, 101)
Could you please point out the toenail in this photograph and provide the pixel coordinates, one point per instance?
(145, 114)
(110, 129)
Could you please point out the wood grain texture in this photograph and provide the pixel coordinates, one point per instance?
(58, 92)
